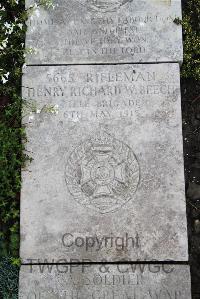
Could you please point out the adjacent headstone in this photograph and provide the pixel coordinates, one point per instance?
(107, 179)
(105, 282)
(105, 31)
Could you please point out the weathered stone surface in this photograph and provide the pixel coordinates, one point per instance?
(105, 282)
(107, 177)
(105, 31)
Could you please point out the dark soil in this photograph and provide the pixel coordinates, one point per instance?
(191, 133)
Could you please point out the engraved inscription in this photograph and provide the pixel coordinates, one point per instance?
(102, 173)
(120, 281)
(105, 31)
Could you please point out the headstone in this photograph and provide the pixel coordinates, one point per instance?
(107, 178)
(106, 183)
(105, 31)
(105, 282)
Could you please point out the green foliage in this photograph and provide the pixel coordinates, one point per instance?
(46, 3)
(9, 272)
(12, 135)
(12, 156)
(191, 36)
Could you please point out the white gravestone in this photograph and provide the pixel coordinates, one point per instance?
(107, 177)
(128, 281)
(105, 31)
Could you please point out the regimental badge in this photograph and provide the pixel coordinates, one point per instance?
(102, 173)
(106, 5)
